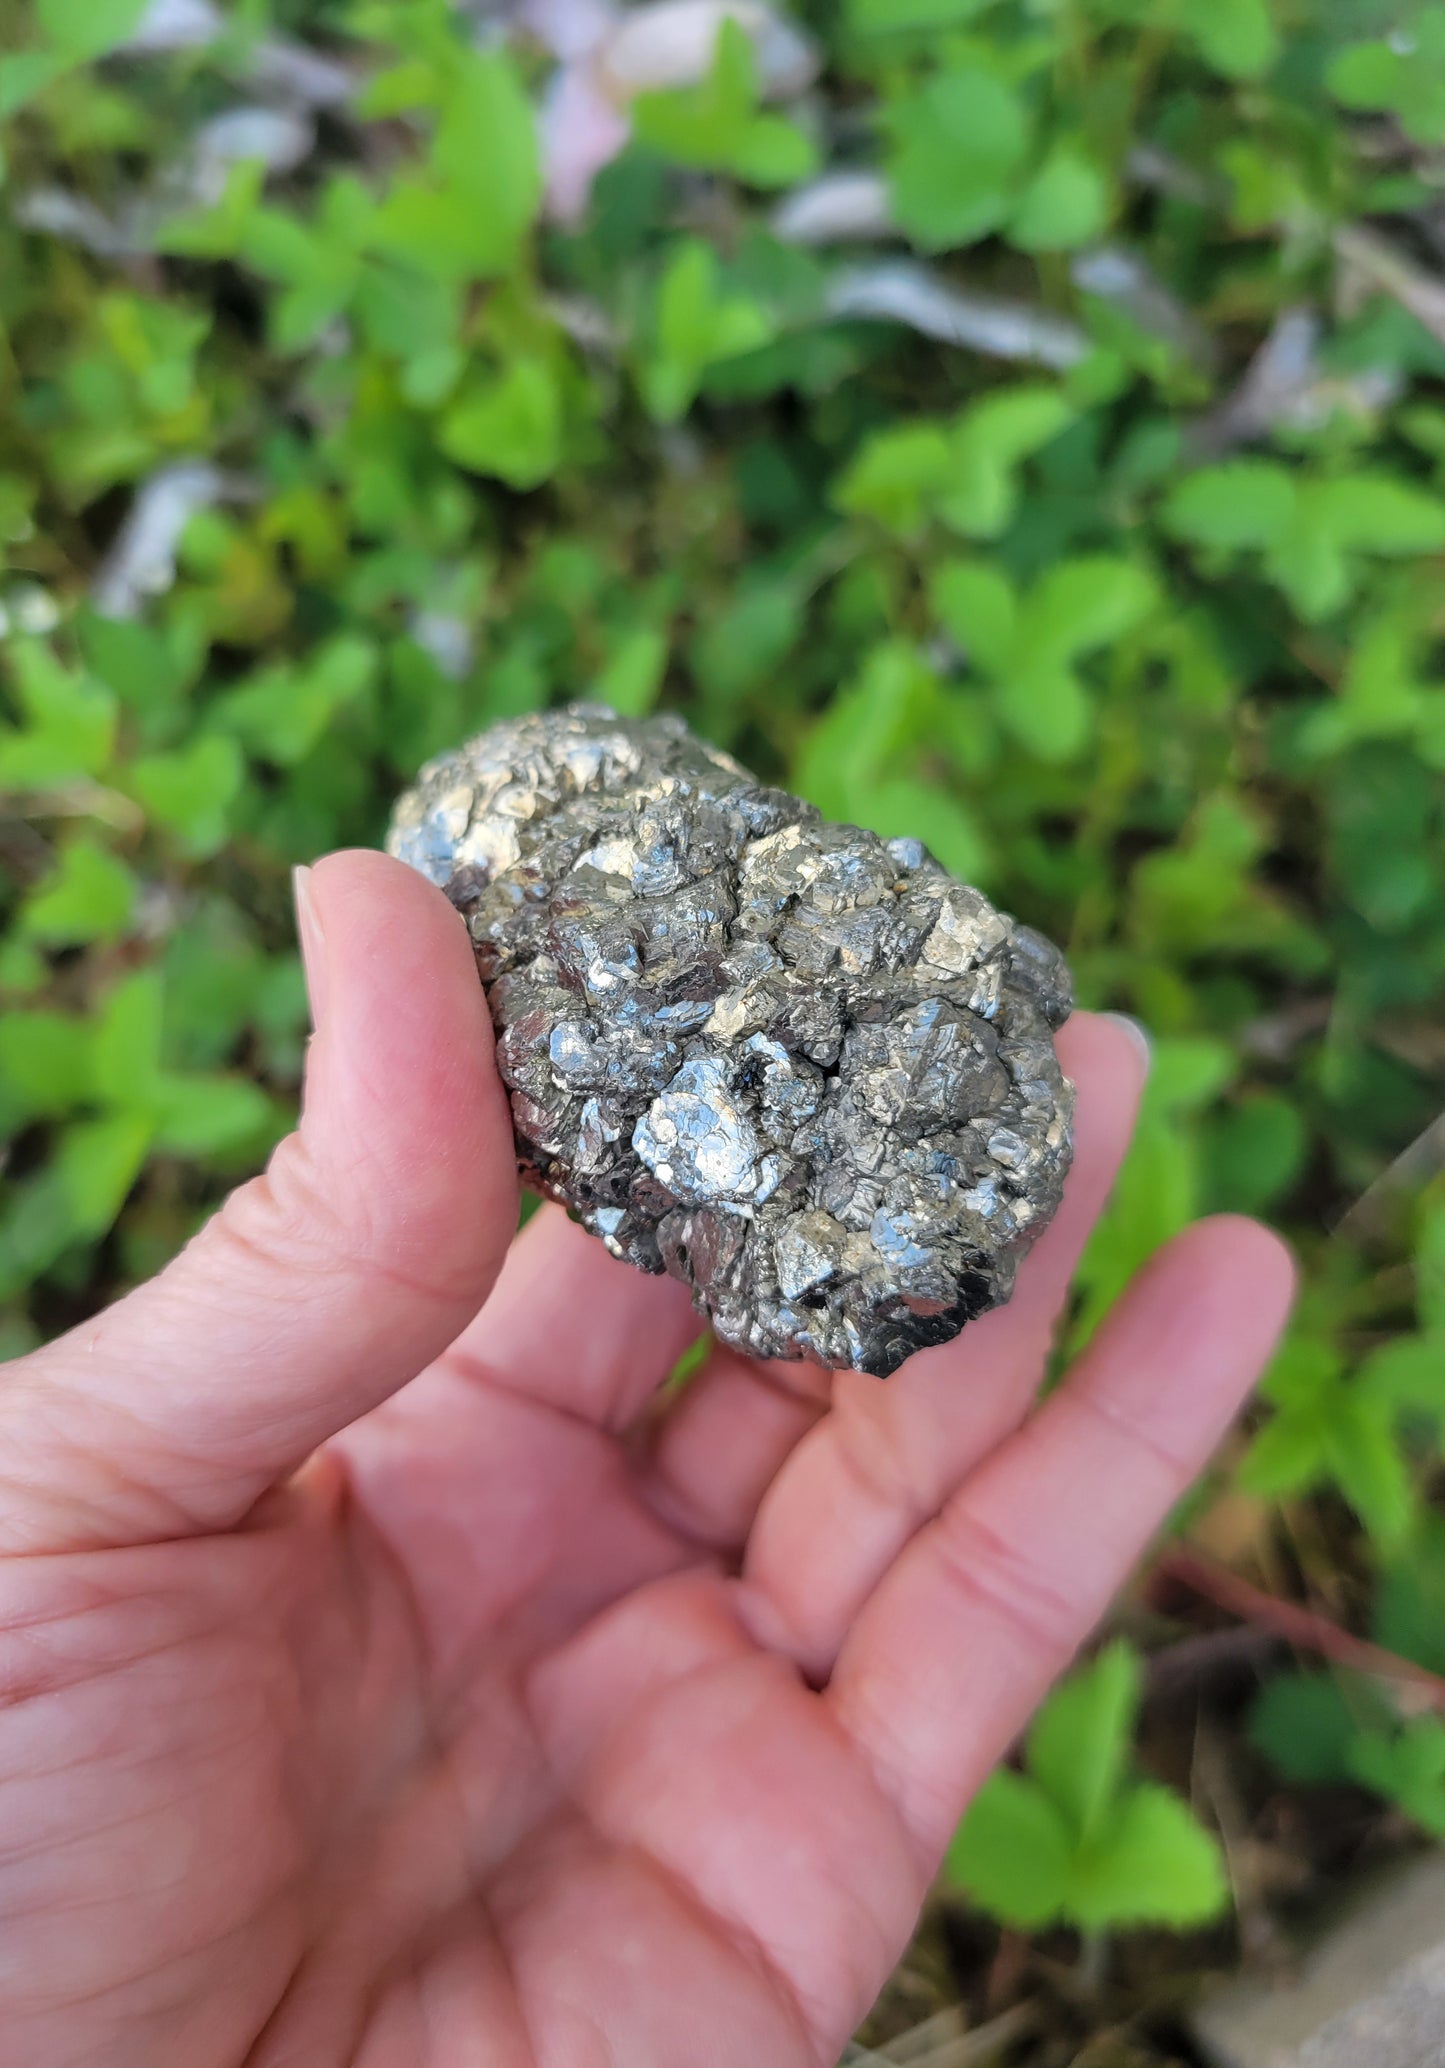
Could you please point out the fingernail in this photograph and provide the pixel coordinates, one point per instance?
(312, 942)
(1137, 1033)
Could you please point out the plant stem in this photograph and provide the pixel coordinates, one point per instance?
(1093, 1970)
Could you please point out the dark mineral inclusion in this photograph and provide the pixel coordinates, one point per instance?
(796, 1066)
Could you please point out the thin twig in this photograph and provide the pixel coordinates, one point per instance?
(922, 2041)
(985, 2043)
(1299, 1626)
(1385, 266)
(1411, 1170)
(971, 2049)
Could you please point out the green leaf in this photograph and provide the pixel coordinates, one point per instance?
(96, 1163)
(192, 790)
(485, 150)
(896, 475)
(1290, 1455)
(909, 17)
(1369, 1469)
(1046, 709)
(23, 75)
(1306, 1726)
(867, 729)
(1154, 1196)
(1083, 604)
(135, 661)
(1305, 1371)
(510, 425)
(1081, 1742)
(1153, 1863)
(990, 440)
(703, 124)
(903, 807)
(283, 712)
(1357, 512)
(85, 29)
(958, 148)
(1408, 1375)
(1237, 37)
(470, 215)
(89, 897)
(69, 728)
(774, 152)
(1430, 1270)
(1409, 1615)
(1238, 503)
(632, 678)
(1408, 1767)
(1368, 75)
(748, 640)
(22, 968)
(1404, 76)
(716, 123)
(126, 1045)
(44, 1061)
(1381, 696)
(1379, 514)
(1256, 1152)
(1064, 205)
(218, 231)
(1189, 1071)
(1012, 1853)
(979, 607)
(201, 1116)
(698, 323)
(319, 273)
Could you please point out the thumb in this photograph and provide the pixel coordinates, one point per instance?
(323, 1285)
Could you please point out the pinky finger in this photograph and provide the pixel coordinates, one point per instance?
(987, 1605)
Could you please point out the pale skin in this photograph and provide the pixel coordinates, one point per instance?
(381, 1683)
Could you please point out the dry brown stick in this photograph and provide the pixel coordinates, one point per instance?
(1302, 1627)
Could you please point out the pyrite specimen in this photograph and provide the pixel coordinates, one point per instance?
(799, 1067)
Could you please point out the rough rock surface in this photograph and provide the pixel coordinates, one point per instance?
(1368, 1992)
(796, 1066)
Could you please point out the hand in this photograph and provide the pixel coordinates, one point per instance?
(382, 1684)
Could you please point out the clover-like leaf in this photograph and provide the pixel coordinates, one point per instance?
(990, 441)
(1012, 1852)
(958, 152)
(717, 123)
(699, 322)
(1153, 1863)
(508, 424)
(1077, 1837)
(1065, 204)
(89, 896)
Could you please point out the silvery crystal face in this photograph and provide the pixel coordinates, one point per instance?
(798, 1067)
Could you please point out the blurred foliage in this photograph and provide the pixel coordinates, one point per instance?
(1076, 503)
(1077, 1837)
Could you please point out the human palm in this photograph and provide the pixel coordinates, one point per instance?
(499, 1715)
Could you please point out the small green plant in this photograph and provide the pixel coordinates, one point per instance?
(1364, 1425)
(718, 125)
(1321, 1728)
(1311, 531)
(1383, 1731)
(1077, 1837)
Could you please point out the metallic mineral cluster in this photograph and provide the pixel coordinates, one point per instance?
(799, 1067)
